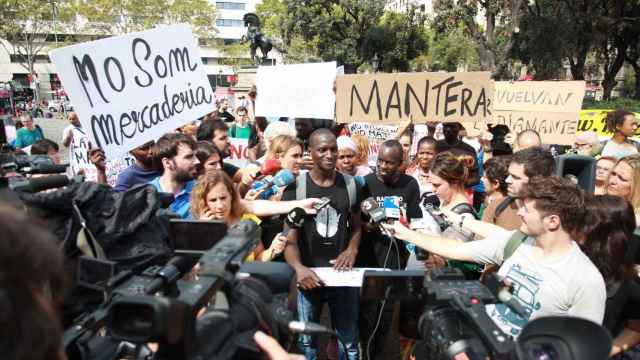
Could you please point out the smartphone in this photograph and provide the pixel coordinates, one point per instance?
(324, 201)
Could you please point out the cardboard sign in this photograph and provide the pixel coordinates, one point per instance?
(549, 107)
(418, 97)
(299, 90)
(134, 88)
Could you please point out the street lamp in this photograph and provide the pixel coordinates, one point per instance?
(375, 62)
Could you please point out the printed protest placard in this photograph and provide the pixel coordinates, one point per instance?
(376, 134)
(133, 88)
(549, 107)
(595, 120)
(298, 90)
(419, 97)
(239, 149)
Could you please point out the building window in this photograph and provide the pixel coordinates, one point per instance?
(229, 5)
(21, 59)
(229, 23)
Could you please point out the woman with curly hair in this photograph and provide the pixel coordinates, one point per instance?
(215, 198)
(623, 124)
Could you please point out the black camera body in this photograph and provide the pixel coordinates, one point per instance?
(453, 322)
(213, 315)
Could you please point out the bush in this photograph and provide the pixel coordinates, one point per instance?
(625, 103)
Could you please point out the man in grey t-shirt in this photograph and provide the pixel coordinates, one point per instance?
(548, 271)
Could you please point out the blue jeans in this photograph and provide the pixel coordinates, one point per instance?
(343, 307)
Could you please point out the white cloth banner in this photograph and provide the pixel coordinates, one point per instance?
(299, 90)
(134, 88)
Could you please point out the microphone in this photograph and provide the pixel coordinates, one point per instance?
(370, 207)
(505, 296)
(294, 219)
(283, 178)
(497, 288)
(300, 327)
(35, 185)
(269, 167)
(391, 205)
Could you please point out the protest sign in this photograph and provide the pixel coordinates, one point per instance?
(376, 134)
(79, 152)
(239, 149)
(299, 90)
(419, 97)
(133, 88)
(595, 120)
(549, 107)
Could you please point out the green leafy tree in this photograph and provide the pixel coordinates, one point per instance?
(123, 16)
(494, 41)
(25, 25)
(448, 51)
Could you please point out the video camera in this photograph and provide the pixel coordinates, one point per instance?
(453, 322)
(213, 315)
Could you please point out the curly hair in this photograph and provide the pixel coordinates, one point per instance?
(496, 169)
(31, 289)
(616, 118)
(609, 226)
(205, 183)
(554, 195)
(452, 168)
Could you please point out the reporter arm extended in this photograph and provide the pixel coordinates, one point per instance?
(480, 228)
(448, 248)
(270, 208)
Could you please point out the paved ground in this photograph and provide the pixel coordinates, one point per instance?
(52, 129)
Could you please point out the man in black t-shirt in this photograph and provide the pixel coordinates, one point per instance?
(387, 182)
(328, 239)
(452, 142)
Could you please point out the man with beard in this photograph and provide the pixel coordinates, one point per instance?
(176, 154)
(329, 239)
(141, 172)
(386, 185)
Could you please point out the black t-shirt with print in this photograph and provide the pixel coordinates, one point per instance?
(325, 235)
(374, 245)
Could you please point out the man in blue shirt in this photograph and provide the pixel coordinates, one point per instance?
(28, 134)
(141, 172)
(176, 153)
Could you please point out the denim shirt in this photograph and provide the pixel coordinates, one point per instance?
(181, 204)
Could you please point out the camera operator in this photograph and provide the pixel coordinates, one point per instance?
(331, 238)
(376, 249)
(549, 273)
(31, 285)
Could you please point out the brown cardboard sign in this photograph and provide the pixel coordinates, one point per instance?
(392, 98)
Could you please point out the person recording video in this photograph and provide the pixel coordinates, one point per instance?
(549, 273)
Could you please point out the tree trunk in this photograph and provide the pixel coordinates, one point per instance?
(610, 72)
(636, 71)
(577, 66)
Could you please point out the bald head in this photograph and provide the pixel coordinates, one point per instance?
(393, 148)
(527, 139)
(320, 135)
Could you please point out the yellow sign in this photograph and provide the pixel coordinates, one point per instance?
(594, 120)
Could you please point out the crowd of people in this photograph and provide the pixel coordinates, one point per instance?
(564, 251)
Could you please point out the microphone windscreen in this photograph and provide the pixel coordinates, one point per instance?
(270, 167)
(368, 204)
(284, 178)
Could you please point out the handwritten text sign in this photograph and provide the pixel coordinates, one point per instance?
(392, 98)
(133, 88)
(376, 134)
(549, 107)
(298, 90)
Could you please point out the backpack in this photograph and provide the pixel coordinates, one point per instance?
(301, 188)
(502, 206)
